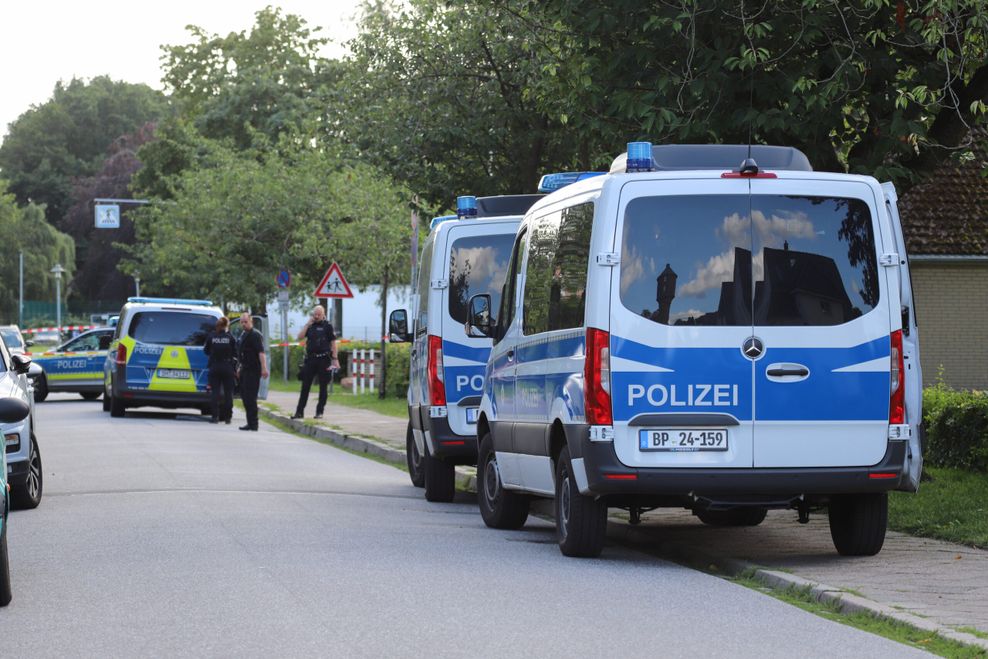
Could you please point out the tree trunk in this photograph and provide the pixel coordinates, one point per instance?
(383, 389)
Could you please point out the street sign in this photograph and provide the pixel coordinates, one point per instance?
(333, 284)
(107, 216)
(284, 279)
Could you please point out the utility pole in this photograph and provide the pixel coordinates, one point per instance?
(20, 297)
(57, 271)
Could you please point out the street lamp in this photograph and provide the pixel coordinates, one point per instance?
(137, 284)
(57, 271)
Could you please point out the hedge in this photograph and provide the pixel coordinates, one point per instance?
(398, 362)
(956, 428)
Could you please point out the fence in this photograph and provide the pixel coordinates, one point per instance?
(362, 362)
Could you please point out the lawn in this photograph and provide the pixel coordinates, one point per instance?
(396, 407)
(953, 507)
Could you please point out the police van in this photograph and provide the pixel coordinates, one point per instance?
(686, 332)
(156, 357)
(463, 255)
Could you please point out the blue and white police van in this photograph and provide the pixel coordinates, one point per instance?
(686, 332)
(464, 255)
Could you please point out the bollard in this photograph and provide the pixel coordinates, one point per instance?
(370, 364)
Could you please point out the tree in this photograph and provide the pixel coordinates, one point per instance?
(25, 229)
(68, 136)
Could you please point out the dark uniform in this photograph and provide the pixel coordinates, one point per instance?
(222, 350)
(318, 363)
(251, 347)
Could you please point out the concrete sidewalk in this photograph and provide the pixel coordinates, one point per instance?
(933, 585)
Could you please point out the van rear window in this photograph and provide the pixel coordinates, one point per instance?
(175, 328)
(477, 264)
(687, 260)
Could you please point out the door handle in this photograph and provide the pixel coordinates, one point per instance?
(797, 371)
(511, 355)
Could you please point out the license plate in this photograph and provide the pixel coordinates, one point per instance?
(683, 439)
(472, 413)
(173, 374)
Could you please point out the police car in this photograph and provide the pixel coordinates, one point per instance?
(686, 332)
(75, 366)
(464, 255)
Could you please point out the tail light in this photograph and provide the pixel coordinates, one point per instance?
(897, 384)
(597, 378)
(121, 355)
(437, 386)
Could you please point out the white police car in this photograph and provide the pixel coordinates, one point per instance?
(684, 332)
(22, 467)
(464, 255)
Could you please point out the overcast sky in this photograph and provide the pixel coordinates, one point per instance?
(42, 42)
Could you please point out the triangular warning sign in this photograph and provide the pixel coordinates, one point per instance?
(333, 284)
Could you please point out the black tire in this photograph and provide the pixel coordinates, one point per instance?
(581, 521)
(206, 411)
(858, 523)
(5, 593)
(733, 516)
(90, 395)
(117, 407)
(41, 389)
(439, 477)
(26, 494)
(413, 459)
(500, 508)
(106, 397)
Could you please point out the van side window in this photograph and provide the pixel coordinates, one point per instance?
(556, 276)
(425, 270)
(509, 291)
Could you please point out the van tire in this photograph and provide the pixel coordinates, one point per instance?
(500, 508)
(858, 522)
(413, 459)
(117, 406)
(439, 479)
(5, 591)
(90, 395)
(733, 516)
(581, 521)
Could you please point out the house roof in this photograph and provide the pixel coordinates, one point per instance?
(947, 214)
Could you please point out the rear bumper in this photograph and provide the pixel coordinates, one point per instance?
(446, 444)
(166, 399)
(606, 475)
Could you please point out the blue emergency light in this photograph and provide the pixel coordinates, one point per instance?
(436, 221)
(170, 300)
(639, 157)
(553, 182)
(466, 206)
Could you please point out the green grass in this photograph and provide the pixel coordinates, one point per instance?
(396, 407)
(952, 507)
(891, 629)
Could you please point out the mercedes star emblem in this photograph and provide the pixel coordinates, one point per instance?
(753, 348)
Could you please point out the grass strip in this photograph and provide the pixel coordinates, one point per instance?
(394, 407)
(952, 507)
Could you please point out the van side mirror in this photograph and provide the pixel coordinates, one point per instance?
(22, 363)
(28, 343)
(479, 320)
(13, 410)
(35, 371)
(398, 327)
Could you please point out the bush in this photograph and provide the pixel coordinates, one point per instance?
(956, 428)
(399, 355)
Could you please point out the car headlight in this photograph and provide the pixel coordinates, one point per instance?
(12, 440)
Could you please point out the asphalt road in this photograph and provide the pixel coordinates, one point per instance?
(162, 535)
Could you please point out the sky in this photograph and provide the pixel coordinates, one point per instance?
(42, 42)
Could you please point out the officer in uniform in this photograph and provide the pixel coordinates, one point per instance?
(320, 359)
(221, 348)
(253, 366)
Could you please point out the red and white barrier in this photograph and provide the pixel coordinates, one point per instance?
(64, 328)
(362, 369)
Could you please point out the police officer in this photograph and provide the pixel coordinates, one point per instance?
(320, 359)
(221, 348)
(253, 367)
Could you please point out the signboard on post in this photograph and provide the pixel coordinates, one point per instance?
(107, 216)
(333, 284)
(284, 279)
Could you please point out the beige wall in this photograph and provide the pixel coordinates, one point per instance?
(952, 312)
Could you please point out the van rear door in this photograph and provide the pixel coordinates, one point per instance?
(680, 317)
(822, 315)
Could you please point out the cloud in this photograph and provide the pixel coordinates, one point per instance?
(632, 268)
(712, 274)
(683, 315)
(773, 231)
(483, 265)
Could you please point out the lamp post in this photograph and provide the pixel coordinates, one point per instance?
(137, 284)
(57, 271)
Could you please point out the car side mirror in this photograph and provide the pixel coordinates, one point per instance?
(13, 410)
(22, 363)
(398, 326)
(28, 344)
(479, 320)
(35, 371)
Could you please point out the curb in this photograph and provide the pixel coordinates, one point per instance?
(845, 602)
(466, 479)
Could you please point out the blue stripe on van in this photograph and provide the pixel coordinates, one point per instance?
(569, 346)
(469, 353)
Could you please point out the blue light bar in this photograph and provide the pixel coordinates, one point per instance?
(170, 300)
(466, 206)
(639, 157)
(553, 182)
(436, 221)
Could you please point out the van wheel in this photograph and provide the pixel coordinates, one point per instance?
(106, 402)
(26, 494)
(41, 389)
(858, 522)
(733, 516)
(413, 458)
(117, 406)
(500, 508)
(439, 479)
(89, 395)
(581, 521)
(5, 594)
